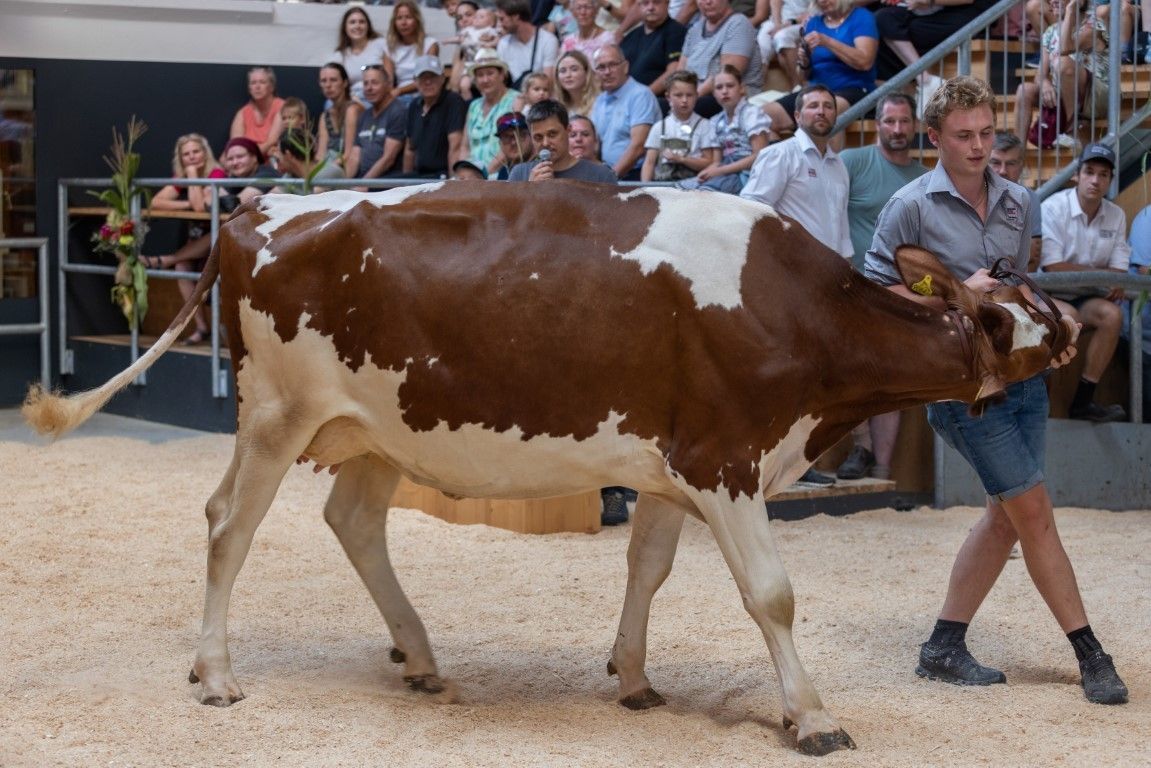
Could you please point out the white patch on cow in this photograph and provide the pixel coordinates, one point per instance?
(702, 236)
(432, 361)
(534, 276)
(1027, 333)
(367, 254)
(783, 464)
(282, 209)
(344, 279)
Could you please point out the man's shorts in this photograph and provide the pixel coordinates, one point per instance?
(1007, 444)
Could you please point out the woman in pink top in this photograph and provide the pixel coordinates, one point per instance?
(259, 119)
(589, 36)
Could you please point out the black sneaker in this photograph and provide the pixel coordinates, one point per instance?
(1101, 682)
(614, 509)
(857, 464)
(1099, 414)
(954, 664)
(815, 479)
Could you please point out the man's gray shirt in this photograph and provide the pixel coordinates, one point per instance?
(930, 213)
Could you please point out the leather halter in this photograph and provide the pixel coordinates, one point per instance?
(1052, 316)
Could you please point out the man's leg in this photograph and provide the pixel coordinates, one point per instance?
(1105, 318)
(884, 432)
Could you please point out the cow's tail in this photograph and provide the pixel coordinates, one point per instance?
(51, 413)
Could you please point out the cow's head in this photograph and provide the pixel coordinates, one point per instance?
(1010, 338)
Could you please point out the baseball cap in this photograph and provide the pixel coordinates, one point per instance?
(469, 165)
(429, 64)
(511, 121)
(1098, 151)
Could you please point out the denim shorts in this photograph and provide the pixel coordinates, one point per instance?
(1007, 444)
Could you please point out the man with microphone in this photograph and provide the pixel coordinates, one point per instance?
(548, 123)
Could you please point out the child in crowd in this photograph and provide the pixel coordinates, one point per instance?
(482, 33)
(741, 131)
(583, 141)
(681, 144)
(537, 87)
(294, 114)
(561, 21)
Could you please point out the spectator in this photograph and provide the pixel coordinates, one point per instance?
(524, 47)
(360, 47)
(465, 170)
(1140, 242)
(1084, 231)
(652, 49)
(576, 88)
(561, 22)
(721, 36)
(781, 35)
(912, 28)
(192, 159)
(971, 218)
(481, 145)
(480, 32)
(259, 119)
(1007, 161)
(549, 127)
(582, 138)
(740, 132)
(298, 161)
(623, 113)
(406, 42)
(876, 173)
(803, 177)
(336, 134)
(435, 128)
(681, 144)
(515, 143)
(242, 159)
(537, 87)
(294, 114)
(838, 51)
(589, 36)
(381, 131)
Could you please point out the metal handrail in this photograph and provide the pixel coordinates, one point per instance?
(41, 328)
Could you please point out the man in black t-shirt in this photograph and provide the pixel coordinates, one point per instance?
(435, 123)
(653, 48)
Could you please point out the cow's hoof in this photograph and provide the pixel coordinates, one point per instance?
(397, 656)
(425, 683)
(611, 670)
(645, 699)
(193, 677)
(819, 744)
(216, 700)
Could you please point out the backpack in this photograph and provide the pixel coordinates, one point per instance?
(1047, 127)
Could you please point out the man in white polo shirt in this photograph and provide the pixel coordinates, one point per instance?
(1084, 232)
(803, 178)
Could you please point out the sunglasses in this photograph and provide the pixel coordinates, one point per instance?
(377, 67)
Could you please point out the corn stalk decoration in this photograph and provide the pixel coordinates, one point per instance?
(121, 235)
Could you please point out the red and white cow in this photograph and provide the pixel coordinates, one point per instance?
(515, 341)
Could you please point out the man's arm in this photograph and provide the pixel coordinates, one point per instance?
(634, 149)
(392, 149)
(455, 148)
(410, 157)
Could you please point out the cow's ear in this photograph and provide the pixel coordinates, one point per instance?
(922, 273)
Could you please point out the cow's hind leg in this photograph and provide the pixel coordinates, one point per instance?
(650, 553)
(235, 510)
(357, 510)
(743, 533)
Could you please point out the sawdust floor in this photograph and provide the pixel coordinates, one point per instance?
(102, 571)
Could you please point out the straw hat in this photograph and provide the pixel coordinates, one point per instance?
(485, 58)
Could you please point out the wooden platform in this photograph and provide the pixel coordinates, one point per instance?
(573, 514)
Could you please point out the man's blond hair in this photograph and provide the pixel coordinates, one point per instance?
(957, 93)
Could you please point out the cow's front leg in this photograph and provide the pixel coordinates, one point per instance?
(743, 533)
(650, 553)
(234, 512)
(357, 510)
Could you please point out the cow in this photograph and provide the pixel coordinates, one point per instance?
(525, 341)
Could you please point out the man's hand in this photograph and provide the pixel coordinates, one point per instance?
(1068, 354)
(982, 281)
(1115, 295)
(542, 171)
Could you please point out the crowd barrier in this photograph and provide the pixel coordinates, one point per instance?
(41, 328)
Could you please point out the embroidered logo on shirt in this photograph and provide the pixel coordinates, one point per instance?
(811, 173)
(1106, 234)
(923, 287)
(1012, 214)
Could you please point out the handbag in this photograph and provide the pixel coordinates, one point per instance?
(1047, 127)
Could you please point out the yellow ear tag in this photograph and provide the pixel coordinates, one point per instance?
(923, 287)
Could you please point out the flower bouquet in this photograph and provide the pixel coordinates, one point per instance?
(121, 235)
